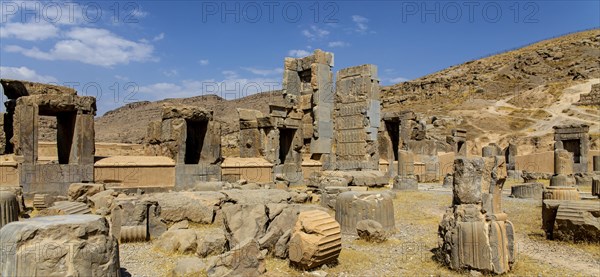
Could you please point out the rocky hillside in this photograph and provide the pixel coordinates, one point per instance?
(517, 95)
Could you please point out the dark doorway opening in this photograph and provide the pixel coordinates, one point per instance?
(65, 129)
(573, 146)
(196, 132)
(459, 146)
(286, 136)
(393, 130)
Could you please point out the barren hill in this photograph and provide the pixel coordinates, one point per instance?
(517, 95)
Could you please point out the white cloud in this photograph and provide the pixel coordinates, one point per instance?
(361, 23)
(170, 72)
(24, 73)
(230, 74)
(398, 80)
(232, 86)
(338, 44)
(315, 32)
(203, 62)
(29, 31)
(122, 78)
(138, 13)
(159, 37)
(298, 53)
(264, 72)
(91, 46)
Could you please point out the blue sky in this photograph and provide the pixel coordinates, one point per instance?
(127, 51)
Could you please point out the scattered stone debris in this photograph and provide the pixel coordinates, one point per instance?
(245, 259)
(371, 230)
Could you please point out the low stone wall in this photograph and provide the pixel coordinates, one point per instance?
(254, 170)
(544, 162)
(309, 167)
(135, 171)
(48, 149)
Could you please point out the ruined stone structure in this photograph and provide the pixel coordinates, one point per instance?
(301, 128)
(27, 102)
(491, 150)
(191, 137)
(397, 128)
(339, 131)
(475, 232)
(353, 206)
(592, 98)
(575, 139)
(458, 140)
(356, 119)
(308, 85)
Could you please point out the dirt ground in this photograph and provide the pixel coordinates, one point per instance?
(409, 252)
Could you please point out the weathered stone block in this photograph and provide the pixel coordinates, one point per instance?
(243, 260)
(84, 239)
(561, 193)
(563, 162)
(467, 181)
(352, 207)
(406, 183)
(78, 190)
(371, 230)
(528, 190)
(316, 240)
(578, 221)
(329, 195)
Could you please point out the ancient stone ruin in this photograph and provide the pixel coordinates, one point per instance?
(592, 98)
(74, 114)
(191, 137)
(564, 215)
(321, 168)
(575, 139)
(475, 232)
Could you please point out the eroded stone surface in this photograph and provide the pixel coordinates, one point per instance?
(316, 240)
(85, 239)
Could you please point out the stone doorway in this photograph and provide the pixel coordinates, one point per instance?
(196, 132)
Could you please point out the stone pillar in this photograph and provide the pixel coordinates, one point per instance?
(406, 179)
(596, 164)
(406, 163)
(356, 118)
(475, 233)
(27, 117)
(563, 162)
